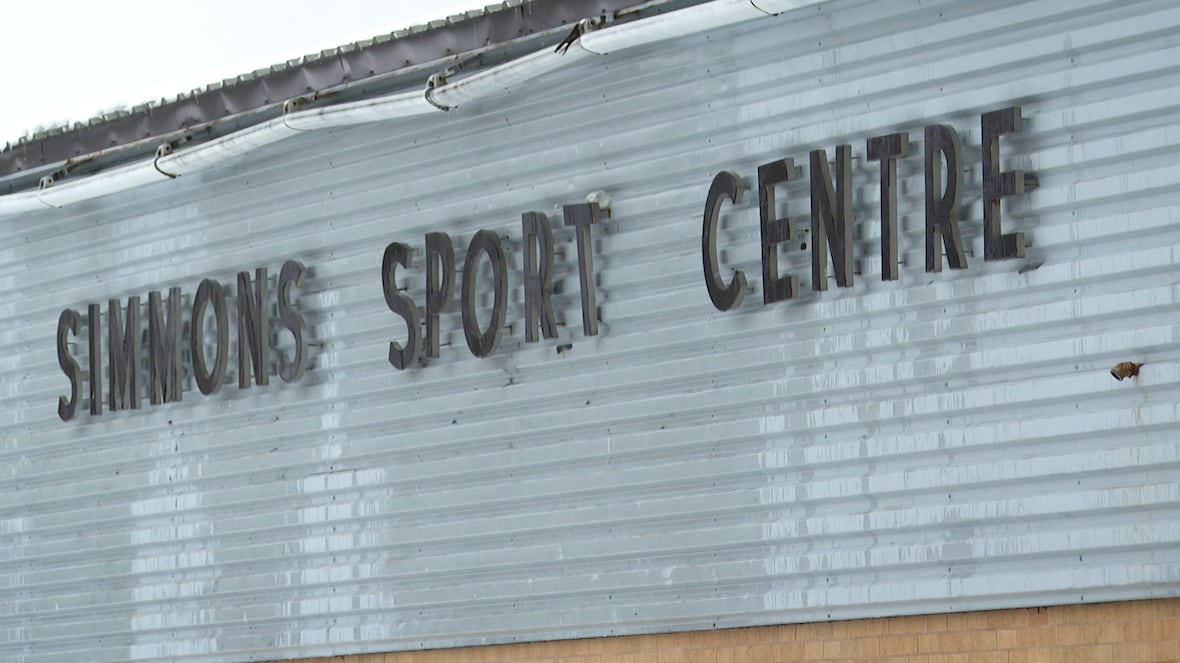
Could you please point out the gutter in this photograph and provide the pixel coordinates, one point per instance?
(589, 37)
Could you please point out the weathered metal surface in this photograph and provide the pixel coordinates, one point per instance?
(368, 63)
(943, 441)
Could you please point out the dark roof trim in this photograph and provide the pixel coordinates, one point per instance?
(340, 67)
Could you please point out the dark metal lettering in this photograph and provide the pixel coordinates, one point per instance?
(94, 338)
(538, 276)
(724, 298)
(164, 348)
(209, 382)
(888, 149)
(775, 231)
(996, 184)
(831, 218)
(440, 284)
(68, 323)
(483, 344)
(123, 354)
(291, 274)
(942, 206)
(402, 357)
(253, 330)
(581, 217)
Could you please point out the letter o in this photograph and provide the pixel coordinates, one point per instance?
(483, 344)
(209, 382)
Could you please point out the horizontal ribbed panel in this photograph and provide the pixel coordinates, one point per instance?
(944, 442)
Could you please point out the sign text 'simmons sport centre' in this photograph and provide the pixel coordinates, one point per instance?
(831, 229)
(483, 291)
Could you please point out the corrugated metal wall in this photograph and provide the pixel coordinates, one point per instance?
(944, 442)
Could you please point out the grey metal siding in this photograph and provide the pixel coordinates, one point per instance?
(945, 442)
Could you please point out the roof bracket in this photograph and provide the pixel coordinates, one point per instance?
(163, 151)
(580, 28)
(47, 182)
(437, 79)
(295, 105)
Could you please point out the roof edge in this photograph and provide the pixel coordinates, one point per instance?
(356, 64)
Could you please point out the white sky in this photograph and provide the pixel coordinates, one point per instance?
(68, 60)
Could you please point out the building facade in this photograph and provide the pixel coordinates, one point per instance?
(688, 331)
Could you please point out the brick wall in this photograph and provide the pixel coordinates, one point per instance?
(1128, 632)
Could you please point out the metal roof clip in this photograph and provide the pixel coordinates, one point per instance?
(163, 151)
(297, 104)
(436, 80)
(580, 28)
